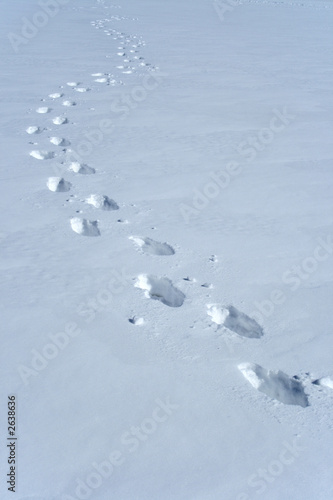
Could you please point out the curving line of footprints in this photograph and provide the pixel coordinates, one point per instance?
(277, 385)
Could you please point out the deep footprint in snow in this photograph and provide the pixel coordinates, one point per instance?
(58, 184)
(160, 289)
(42, 155)
(81, 168)
(152, 247)
(232, 319)
(85, 227)
(277, 385)
(101, 201)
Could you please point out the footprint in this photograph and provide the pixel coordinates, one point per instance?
(81, 168)
(81, 89)
(34, 130)
(42, 155)
(58, 141)
(152, 247)
(160, 289)
(324, 381)
(58, 184)
(232, 319)
(101, 80)
(60, 120)
(276, 385)
(137, 321)
(97, 74)
(102, 201)
(85, 227)
(56, 95)
(43, 110)
(69, 103)
(73, 84)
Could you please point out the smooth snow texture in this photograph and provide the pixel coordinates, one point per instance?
(81, 168)
(152, 247)
(160, 289)
(102, 201)
(58, 184)
(276, 385)
(85, 227)
(234, 320)
(235, 127)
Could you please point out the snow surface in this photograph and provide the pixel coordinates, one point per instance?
(210, 124)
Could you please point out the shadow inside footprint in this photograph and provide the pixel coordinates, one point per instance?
(277, 385)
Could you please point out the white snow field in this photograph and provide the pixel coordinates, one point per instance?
(167, 318)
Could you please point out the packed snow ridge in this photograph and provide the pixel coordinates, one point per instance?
(276, 385)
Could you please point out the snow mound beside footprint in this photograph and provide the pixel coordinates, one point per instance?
(153, 247)
(160, 289)
(277, 385)
(85, 227)
(232, 319)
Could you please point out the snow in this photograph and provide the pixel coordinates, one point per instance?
(184, 351)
